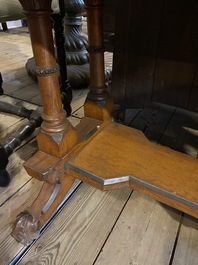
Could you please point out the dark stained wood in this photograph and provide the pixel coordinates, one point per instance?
(192, 105)
(120, 58)
(109, 15)
(177, 53)
(182, 132)
(136, 42)
(155, 56)
(169, 126)
(152, 121)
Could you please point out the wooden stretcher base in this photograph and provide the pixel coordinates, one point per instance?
(120, 156)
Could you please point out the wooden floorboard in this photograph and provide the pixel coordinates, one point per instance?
(152, 121)
(187, 245)
(144, 234)
(115, 227)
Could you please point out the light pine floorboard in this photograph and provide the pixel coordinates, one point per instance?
(187, 245)
(144, 234)
(114, 227)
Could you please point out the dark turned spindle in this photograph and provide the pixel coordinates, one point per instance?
(15, 140)
(1, 82)
(76, 43)
(66, 90)
(4, 26)
(7, 147)
(15, 110)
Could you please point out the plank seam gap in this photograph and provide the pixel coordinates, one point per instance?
(73, 113)
(136, 116)
(112, 227)
(28, 140)
(25, 100)
(166, 126)
(15, 192)
(176, 240)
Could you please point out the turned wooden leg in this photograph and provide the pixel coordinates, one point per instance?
(55, 126)
(98, 103)
(57, 136)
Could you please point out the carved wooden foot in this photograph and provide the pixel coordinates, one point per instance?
(28, 223)
(26, 228)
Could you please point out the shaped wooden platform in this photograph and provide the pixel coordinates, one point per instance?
(120, 156)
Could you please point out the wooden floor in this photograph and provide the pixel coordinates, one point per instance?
(94, 227)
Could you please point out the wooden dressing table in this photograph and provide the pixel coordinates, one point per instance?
(99, 151)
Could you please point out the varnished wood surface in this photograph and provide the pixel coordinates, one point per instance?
(161, 173)
(95, 227)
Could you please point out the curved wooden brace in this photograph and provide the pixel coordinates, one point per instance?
(29, 223)
(57, 183)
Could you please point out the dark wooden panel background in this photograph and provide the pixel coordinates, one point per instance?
(155, 52)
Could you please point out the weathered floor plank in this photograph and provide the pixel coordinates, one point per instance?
(144, 234)
(187, 245)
